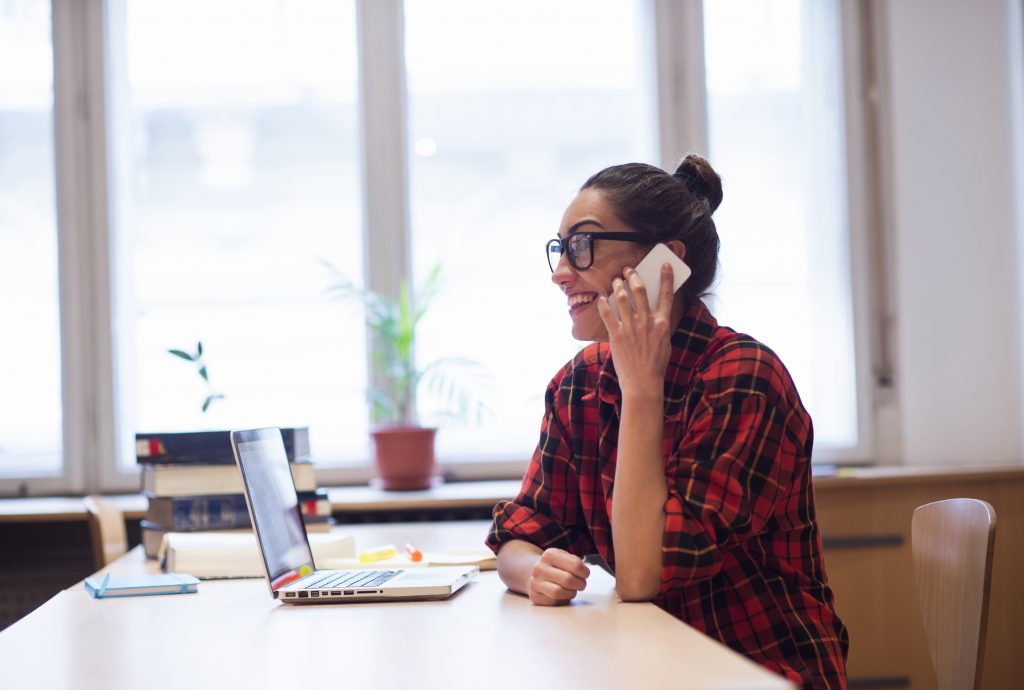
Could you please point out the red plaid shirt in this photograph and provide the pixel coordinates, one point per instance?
(741, 555)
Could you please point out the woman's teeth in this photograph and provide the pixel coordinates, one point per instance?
(577, 300)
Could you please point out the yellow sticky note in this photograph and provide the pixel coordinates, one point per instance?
(378, 553)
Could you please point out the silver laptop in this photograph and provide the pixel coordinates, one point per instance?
(287, 559)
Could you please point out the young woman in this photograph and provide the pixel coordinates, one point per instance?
(675, 448)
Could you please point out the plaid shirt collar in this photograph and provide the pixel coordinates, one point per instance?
(689, 346)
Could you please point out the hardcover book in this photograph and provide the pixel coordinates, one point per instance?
(200, 480)
(208, 447)
(140, 585)
(209, 555)
(153, 535)
(221, 511)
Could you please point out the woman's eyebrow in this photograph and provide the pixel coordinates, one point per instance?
(573, 229)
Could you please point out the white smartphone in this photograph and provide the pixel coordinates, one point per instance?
(649, 270)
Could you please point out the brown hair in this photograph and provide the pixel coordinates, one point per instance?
(670, 207)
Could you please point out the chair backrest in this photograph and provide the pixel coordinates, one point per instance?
(952, 544)
(106, 526)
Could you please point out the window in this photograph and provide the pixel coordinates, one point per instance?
(783, 222)
(30, 361)
(499, 146)
(224, 139)
(242, 159)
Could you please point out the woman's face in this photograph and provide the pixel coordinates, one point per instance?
(589, 212)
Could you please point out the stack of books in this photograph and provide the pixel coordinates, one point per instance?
(194, 485)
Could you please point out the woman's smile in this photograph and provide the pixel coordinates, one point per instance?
(581, 300)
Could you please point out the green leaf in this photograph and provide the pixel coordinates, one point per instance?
(202, 372)
(199, 349)
(383, 407)
(210, 398)
(427, 292)
(456, 387)
(182, 354)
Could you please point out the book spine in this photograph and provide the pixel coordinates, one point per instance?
(315, 505)
(190, 513)
(208, 447)
(209, 512)
(176, 480)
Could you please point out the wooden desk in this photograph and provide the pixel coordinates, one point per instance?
(233, 635)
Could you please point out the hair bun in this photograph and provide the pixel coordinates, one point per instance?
(701, 179)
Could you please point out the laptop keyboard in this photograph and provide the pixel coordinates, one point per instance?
(351, 578)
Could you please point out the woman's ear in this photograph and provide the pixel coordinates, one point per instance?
(677, 247)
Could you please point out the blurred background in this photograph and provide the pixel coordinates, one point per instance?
(181, 172)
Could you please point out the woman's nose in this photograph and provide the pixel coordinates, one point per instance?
(563, 270)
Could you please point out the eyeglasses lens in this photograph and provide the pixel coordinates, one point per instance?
(578, 246)
(580, 254)
(554, 254)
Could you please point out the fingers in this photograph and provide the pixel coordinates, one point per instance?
(557, 577)
(567, 562)
(620, 295)
(639, 291)
(633, 285)
(606, 313)
(630, 297)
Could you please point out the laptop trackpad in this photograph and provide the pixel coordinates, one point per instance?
(422, 577)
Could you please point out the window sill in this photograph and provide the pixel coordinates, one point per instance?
(344, 499)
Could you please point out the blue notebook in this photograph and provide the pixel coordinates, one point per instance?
(141, 585)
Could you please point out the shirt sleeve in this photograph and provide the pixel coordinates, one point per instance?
(736, 461)
(546, 511)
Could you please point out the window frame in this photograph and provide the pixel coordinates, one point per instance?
(868, 226)
(86, 32)
(80, 181)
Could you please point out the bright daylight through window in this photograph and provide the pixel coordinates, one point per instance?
(500, 144)
(785, 275)
(235, 179)
(30, 404)
(243, 180)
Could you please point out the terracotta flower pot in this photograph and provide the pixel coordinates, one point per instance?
(404, 457)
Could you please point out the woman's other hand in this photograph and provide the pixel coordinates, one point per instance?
(556, 578)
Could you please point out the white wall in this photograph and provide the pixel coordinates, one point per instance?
(1015, 32)
(953, 116)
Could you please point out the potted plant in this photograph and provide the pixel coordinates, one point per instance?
(403, 447)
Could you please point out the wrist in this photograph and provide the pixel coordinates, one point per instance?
(650, 395)
(515, 564)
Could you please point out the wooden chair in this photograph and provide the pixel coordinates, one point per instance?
(106, 527)
(952, 544)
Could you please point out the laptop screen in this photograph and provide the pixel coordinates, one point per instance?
(273, 505)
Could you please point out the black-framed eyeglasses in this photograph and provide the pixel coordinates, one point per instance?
(580, 247)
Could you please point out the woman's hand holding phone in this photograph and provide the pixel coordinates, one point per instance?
(637, 316)
(649, 271)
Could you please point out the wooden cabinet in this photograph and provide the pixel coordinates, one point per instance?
(864, 516)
